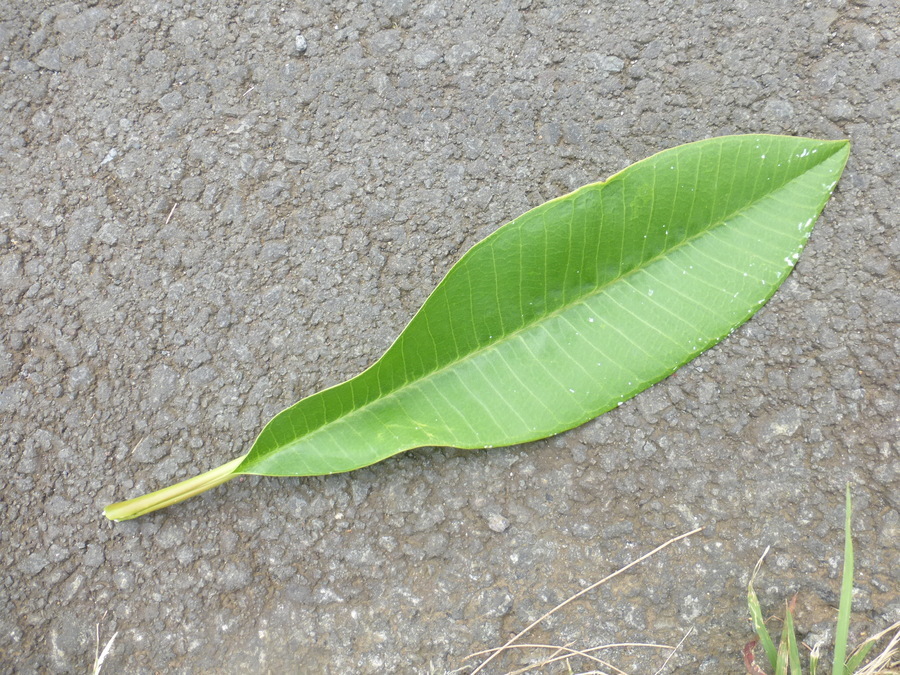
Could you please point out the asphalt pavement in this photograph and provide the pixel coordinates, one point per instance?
(211, 209)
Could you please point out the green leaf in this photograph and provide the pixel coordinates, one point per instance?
(842, 630)
(781, 664)
(793, 648)
(814, 660)
(572, 308)
(756, 616)
(859, 655)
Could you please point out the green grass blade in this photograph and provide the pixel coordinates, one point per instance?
(814, 660)
(859, 656)
(793, 649)
(842, 630)
(759, 626)
(781, 660)
(884, 660)
(756, 616)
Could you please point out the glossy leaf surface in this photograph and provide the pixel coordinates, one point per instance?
(574, 307)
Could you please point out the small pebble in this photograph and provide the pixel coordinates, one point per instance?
(609, 63)
(425, 58)
(497, 523)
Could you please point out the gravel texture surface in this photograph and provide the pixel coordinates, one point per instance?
(210, 209)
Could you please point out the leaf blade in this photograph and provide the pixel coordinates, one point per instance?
(842, 629)
(793, 649)
(756, 616)
(621, 284)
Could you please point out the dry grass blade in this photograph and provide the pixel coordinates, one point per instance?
(618, 645)
(674, 651)
(577, 595)
(589, 650)
(553, 658)
(561, 653)
(887, 662)
(99, 659)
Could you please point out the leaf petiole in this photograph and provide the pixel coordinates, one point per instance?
(173, 494)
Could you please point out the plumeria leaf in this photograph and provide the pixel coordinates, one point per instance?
(566, 312)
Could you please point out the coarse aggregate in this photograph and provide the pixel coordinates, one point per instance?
(211, 209)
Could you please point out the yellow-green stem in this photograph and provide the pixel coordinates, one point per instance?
(173, 494)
